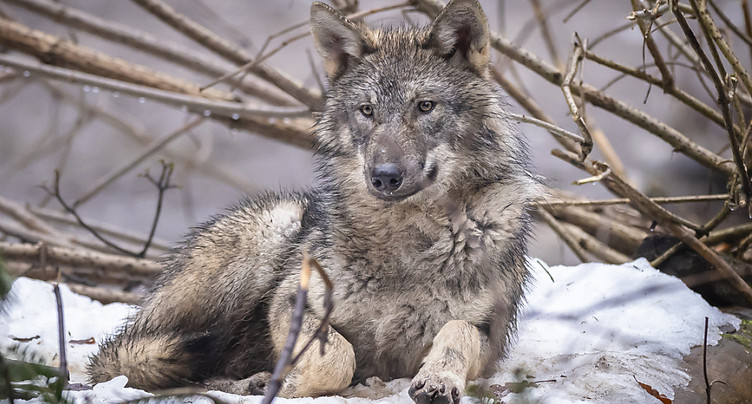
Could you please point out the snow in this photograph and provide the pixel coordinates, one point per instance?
(587, 333)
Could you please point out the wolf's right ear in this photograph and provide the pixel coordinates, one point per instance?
(460, 33)
(340, 41)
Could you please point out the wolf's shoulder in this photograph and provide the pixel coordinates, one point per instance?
(253, 219)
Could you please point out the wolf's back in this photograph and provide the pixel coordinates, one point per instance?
(211, 296)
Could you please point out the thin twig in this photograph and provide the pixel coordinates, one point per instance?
(143, 41)
(261, 56)
(534, 109)
(106, 295)
(23, 216)
(231, 52)
(705, 362)
(608, 34)
(193, 103)
(666, 219)
(564, 234)
(675, 138)
(575, 59)
(575, 10)
(649, 42)
(542, 19)
(701, 233)
(706, 21)
(286, 359)
(743, 36)
(155, 146)
(721, 93)
(674, 91)
(592, 179)
(61, 52)
(129, 236)
(162, 186)
(747, 22)
(659, 260)
(121, 122)
(607, 179)
(553, 129)
(253, 63)
(61, 334)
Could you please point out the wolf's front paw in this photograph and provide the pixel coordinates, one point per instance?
(431, 389)
(258, 383)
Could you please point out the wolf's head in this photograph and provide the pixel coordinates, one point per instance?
(409, 109)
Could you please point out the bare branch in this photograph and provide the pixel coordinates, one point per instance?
(542, 19)
(106, 295)
(57, 51)
(25, 217)
(261, 121)
(592, 95)
(193, 103)
(622, 201)
(231, 52)
(54, 216)
(575, 59)
(162, 185)
(564, 234)
(645, 26)
(79, 257)
(142, 41)
(722, 96)
(286, 359)
(155, 146)
(714, 34)
(742, 35)
(668, 221)
(63, 369)
(261, 56)
(595, 247)
(553, 129)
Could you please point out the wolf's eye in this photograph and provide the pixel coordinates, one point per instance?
(366, 110)
(426, 106)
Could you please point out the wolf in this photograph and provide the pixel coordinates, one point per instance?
(420, 218)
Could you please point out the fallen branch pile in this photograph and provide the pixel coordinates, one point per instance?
(695, 35)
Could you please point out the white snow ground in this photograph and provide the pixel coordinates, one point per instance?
(589, 335)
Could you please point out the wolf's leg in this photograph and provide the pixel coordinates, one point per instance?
(254, 385)
(314, 374)
(457, 354)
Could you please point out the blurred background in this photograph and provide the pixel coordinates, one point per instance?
(86, 132)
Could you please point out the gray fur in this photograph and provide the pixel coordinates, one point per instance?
(427, 278)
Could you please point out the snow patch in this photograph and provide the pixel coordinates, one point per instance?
(588, 335)
(31, 314)
(598, 329)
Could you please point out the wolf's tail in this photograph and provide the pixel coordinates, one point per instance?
(151, 362)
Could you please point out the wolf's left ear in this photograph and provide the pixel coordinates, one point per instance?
(340, 41)
(460, 31)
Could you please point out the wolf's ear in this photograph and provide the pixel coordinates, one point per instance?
(460, 32)
(340, 41)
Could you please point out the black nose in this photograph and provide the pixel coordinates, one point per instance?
(386, 177)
